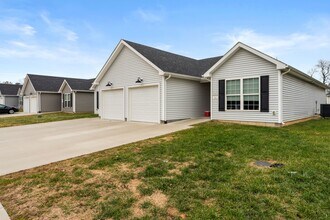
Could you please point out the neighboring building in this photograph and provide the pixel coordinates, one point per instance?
(10, 94)
(250, 86)
(41, 93)
(76, 96)
(141, 83)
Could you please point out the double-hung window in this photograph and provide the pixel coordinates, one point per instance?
(242, 94)
(233, 94)
(251, 94)
(67, 100)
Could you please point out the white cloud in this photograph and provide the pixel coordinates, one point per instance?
(150, 16)
(57, 26)
(311, 39)
(12, 26)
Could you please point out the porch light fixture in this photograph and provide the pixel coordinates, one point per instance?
(139, 80)
(109, 84)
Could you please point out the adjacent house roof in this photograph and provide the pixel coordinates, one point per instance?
(77, 84)
(9, 89)
(174, 63)
(45, 83)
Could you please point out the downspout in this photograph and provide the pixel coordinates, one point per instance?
(164, 96)
(280, 95)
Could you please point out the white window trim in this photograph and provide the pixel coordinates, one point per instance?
(242, 95)
(66, 102)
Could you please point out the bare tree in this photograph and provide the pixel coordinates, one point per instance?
(323, 70)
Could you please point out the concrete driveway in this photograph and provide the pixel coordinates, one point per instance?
(28, 146)
(4, 115)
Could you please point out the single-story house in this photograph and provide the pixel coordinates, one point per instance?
(141, 83)
(76, 96)
(250, 86)
(10, 94)
(42, 93)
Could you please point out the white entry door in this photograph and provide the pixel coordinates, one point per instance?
(26, 104)
(144, 104)
(113, 104)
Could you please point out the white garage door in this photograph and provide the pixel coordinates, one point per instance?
(30, 104)
(2, 100)
(144, 104)
(26, 104)
(113, 104)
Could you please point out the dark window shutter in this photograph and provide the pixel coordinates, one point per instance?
(264, 92)
(63, 101)
(70, 103)
(97, 100)
(221, 95)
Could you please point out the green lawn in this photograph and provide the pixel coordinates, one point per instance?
(42, 118)
(207, 172)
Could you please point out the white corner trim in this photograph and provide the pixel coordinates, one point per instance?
(280, 97)
(234, 49)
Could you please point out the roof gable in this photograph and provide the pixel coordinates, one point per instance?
(10, 89)
(77, 84)
(162, 61)
(237, 47)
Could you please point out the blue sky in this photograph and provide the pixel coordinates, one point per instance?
(74, 38)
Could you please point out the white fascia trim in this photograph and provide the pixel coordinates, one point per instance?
(234, 49)
(113, 57)
(26, 80)
(307, 78)
(182, 76)
(63, 85)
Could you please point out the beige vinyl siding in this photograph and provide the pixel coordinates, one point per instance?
(29, 90)
(50, 102)
(84, 101)
(241, 65)
(65, 90)
(299, 98)
(186, 99)
(123, 73)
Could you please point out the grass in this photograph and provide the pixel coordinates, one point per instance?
(206, 172)
(41, 118)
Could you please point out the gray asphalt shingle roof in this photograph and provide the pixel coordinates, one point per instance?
(53, 83)
(80, 84)
(170, 62)
(9, 89)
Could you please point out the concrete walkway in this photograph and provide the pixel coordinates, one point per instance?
(3, 213)
(29, 146)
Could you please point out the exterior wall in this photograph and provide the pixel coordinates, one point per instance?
(299, 98)
(84, 101)
(328, 100)
(50, 102)
(245, 64)
(66, 89)
(186, 99)
(12, 101)
(123, 73)
(29, 89)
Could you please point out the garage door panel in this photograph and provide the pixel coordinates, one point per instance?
(144, 104)
(33, 104)
(26, 104)
(113, 104)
